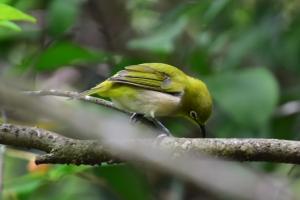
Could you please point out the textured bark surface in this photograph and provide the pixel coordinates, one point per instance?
(269, 150)
(58, 149)
(65, 150)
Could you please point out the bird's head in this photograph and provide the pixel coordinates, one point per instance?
(197, 103)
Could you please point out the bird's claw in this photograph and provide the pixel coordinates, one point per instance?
(135, 117)
(163, 131)
(160, 138)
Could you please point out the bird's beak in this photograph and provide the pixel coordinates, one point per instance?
(203, 130)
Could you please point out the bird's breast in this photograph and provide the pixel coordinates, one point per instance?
(151, 103)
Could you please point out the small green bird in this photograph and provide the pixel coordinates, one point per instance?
(157, 90)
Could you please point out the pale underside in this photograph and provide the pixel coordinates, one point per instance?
(149, 102)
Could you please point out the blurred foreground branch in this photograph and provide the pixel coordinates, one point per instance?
(90, 99)
(65, 150)
(116, 138)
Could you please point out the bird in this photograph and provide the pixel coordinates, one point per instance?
(156, 90)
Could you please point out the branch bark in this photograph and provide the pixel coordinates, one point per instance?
(59, 149)
(63, 150)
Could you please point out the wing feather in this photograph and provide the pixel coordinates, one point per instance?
(151, 76)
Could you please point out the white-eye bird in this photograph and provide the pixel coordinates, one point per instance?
(157, 90)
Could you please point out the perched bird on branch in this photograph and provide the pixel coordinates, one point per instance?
(157, 90)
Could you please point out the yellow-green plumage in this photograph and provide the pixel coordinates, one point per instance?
(156, 89)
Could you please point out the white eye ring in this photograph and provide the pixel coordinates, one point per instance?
(193, 114)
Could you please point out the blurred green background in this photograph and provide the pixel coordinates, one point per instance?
(248, 52)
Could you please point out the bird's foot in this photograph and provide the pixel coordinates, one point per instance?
(136, 117)
(152, 122)
(157, 141)
(161, 128)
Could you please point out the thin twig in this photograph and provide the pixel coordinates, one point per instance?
(2, 152)
(75, 95)
(289, 108)
(95, 100)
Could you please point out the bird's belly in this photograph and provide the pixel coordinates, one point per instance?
(151, 103)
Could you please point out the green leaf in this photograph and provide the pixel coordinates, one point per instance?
(249, 97)
(126, 181)
(27, 185)
(10, 25)
(245, 44)
(214, 9)
(62, 15)
(62, 54)
(5, 1)
(10, 13)
(24, 185)
(162, 40)
(63, 170)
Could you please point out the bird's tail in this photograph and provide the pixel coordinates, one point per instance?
(89, 92)
(98, 89)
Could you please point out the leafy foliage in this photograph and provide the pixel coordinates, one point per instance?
(249, 96)
(8, 14)
(65, 54)
(246, 51)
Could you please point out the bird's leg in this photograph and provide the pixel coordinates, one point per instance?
(150, 121)
(138, 117)
(163, 130)
(135, 117)
(203, 131)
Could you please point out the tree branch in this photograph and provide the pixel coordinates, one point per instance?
(90, 99)
(119, 139)
(75, 95)
(59, 149)
(65, 150)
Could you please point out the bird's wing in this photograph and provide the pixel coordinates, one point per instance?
(153, 76)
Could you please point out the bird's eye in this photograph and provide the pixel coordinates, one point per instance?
(193, 114)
